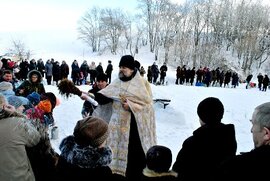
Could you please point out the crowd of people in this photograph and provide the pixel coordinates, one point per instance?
(116, 137)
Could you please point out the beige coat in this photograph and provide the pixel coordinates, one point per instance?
(138, 93)
(15, 134)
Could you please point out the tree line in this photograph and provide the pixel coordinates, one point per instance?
(196, 33)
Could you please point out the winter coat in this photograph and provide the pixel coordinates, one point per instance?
(163, 70)
(41, 67)
(138, 94)
(56, 72)
(109, 69)
(64, 70)
(24, 69)
(75, 71)
(84, 69)
(49, 69)
(16, 133)
(201, 153)
(150, 175)
(43, 158)
(80, 163)
(28, 86)
(99, 69)
(249, 165)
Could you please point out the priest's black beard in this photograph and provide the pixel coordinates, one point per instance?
(125, 78)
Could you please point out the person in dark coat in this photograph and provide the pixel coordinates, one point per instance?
(84, 68)
(251, 165)
(260, 81)
(99, 69)
(155, 72)
(158, 163)
(84, 154)
(41, 66)
(248, 79)
(24, 69)
(56, 72)
(33, 84)
(88, 107)
(265, 82)
(209, 145)
(32, 65)
(163, 69)
(64, 70)
(109, 70)
(75, 73)
(149, 74)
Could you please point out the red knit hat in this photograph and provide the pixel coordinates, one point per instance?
(45, 105)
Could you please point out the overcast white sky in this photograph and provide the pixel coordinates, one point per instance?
(29, 15)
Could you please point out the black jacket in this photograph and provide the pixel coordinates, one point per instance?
(201, 153)
(252, 165)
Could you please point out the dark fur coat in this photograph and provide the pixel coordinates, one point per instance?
(77, 162)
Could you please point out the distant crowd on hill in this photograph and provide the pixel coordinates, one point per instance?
(86, 73)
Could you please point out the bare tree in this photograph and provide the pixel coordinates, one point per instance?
(112, 23)
(89, 29)
(19, 49)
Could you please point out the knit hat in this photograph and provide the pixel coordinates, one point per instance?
(34, 98)
(91, 131)
(45, 105)
(52, 98)
(101, 77)
(127, 61)
(159, 158)
(17, 101)
(5, 86)
(210, 110)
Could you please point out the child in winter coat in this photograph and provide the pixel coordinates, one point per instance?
(158, 163)
(43, 158)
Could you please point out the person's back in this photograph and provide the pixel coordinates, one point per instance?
(251, 165)
(16, 133)
(209, 145)
(158, 163)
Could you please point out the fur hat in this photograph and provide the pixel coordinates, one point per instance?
(127, 61)
(91, 131)
(102, 76)
(5, 86)
(210, 110)
(159, 159)
(17, 101)
(45, 105)
(34, 98)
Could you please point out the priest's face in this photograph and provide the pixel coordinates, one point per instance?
(125, 72)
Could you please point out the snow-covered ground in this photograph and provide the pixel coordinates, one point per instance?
(179, 119)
